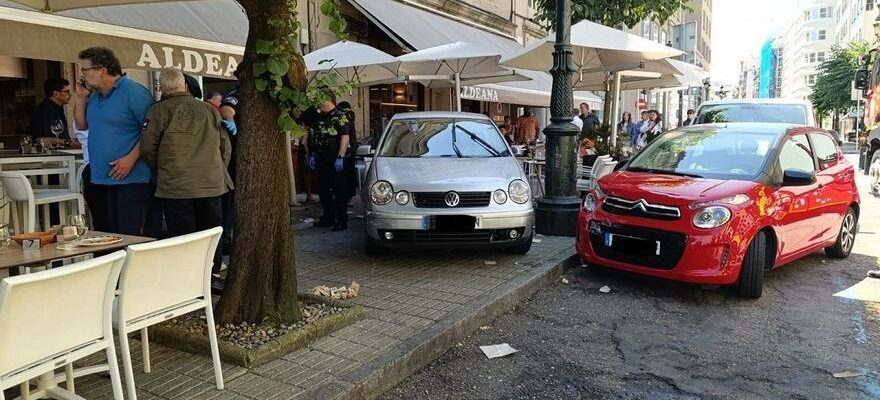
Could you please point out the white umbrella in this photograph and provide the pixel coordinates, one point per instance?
(352, 61)
(61, 5)
(595, 48)
(660, 74)
(454, 64)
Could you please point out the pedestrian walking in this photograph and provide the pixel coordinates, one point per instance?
(636, 129)
(329, 143)
(690, 118)
(650, 129)
(625, 124)
(116, 107)
(185, 145)
(590, 120)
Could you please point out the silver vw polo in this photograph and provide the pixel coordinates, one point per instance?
(446, 179)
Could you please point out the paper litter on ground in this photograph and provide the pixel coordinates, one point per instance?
(308, 220)
(498, 350)
(866, 290)
(565, 281)
(536, 240)
(490, 262)
(340, 292)
(847, 374)
(605, 289)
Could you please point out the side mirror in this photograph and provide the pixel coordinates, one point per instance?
(365, 151)
(797, 177)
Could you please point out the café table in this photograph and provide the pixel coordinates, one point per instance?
(14, 256)
(57, 162)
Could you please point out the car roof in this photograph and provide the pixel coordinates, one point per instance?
(757, 101)
(438, 114)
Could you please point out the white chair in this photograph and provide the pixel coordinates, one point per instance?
(162, 280)
(53, 318)
(19, 190)
(586, 176)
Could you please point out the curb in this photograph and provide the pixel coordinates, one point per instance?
(392, 367)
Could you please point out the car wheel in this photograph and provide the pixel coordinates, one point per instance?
(751, 274)
(372, 247)
(521, 248)
(846, 237)
(874, 171)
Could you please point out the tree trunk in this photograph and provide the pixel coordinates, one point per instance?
(261, 283)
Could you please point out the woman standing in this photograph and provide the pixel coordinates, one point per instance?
(650, 129)
(625, 123)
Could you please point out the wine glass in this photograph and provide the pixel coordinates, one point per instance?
(25, 143)
(79, 221)
(57, 127)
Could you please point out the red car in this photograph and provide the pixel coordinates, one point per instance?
(720, 204)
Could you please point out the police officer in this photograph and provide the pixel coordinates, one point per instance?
(229, 111)
(329, 141)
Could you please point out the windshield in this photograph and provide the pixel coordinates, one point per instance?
(434, 137)
(710, 154)
(779, 113)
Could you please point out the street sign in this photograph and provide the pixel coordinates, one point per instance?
(641, 104)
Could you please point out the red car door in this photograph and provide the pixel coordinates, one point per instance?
(835, 179)
(797, 218)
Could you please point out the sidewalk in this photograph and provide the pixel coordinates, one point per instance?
(417, 305)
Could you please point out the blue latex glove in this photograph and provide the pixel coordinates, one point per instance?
(338, 164)
(312, 163)
(230, 126)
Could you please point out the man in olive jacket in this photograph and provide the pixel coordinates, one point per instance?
(183, 142)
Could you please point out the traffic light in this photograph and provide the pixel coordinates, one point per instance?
(860, 81)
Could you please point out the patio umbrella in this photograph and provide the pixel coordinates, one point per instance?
(595, 48)
(61, 5)
(352, 61)
(454, 64)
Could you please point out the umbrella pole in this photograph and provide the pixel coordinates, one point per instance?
(615, 115)
(457, 91)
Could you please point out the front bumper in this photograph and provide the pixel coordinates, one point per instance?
(687, 254)
(491, 229)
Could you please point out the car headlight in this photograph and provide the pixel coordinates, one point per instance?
(402, 197)
(711, 217)
(590, 202)
(519, 191)
(499, 196)
(381, 193)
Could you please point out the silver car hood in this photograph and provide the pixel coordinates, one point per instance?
(444, 174)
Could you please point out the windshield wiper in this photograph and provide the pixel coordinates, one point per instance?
(662, 171)
(494, 152)
(455, 146)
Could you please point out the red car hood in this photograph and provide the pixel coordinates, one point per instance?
(670, 189)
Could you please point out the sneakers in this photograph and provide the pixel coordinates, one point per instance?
(874, 274)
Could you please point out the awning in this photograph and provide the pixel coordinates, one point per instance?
(418, 29)
(201, 37)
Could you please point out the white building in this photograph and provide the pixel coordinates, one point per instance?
(806, 43)
(855, 21)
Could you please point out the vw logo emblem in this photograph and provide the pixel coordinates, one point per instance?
(451, 199)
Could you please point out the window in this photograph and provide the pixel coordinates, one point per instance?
(825, 12)
(869, 5)
(811, 79)
(820, 56)
(796, 154)
(821, 34)
(826, 150)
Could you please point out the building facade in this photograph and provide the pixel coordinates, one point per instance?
(807, 43)
(747, 86)
(694, 34)
(855, 21)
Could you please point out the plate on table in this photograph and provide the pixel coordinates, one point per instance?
(99, 240)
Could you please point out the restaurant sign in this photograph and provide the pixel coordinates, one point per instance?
(191, 61)
(478, 93)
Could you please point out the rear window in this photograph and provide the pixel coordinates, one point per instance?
(778, 113)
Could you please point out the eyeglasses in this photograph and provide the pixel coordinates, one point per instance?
(66, 91)
(83, 70)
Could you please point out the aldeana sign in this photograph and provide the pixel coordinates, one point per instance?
(478, 93)
(195, 62)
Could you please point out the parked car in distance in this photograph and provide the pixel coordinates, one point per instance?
(721, 204)
(785, 111)
(449, 180)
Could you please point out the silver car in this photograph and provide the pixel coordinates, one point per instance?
(446, 179)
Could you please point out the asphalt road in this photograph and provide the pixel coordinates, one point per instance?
(652, 339)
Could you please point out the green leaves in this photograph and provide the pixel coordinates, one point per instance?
(831, 91)
(330, 8)
(611, 12)
(265, 47)
(276, 66)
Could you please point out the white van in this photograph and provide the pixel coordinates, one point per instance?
(787, 111)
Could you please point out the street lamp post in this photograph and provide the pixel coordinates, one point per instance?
(556, 212)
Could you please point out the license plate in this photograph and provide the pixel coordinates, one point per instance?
(632, 244)
(452, 223)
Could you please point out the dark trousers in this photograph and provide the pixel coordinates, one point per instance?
(131, 209)
(183, 216)
(96, 200)
(227, 204)
(333, 191)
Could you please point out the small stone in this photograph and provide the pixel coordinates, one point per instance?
(605, 289)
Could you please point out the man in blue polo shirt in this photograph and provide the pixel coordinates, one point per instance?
(115, 113)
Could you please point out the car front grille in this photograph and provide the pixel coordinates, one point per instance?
(640, 208)
(437, 199)
(474, 236)
(672, 245)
